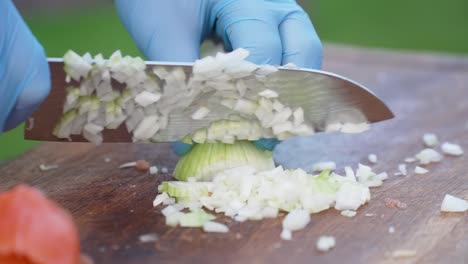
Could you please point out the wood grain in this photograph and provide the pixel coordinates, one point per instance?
(428, 93)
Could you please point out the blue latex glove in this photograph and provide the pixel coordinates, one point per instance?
(24, 71)
(275, 32)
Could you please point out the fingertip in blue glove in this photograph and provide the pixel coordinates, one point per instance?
(24, 72)
(275, 32)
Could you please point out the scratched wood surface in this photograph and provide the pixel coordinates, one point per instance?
(428, 93)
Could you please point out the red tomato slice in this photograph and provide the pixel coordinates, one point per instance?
(35, 230)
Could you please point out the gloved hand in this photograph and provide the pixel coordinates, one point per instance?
(24, 71)
(275, 32)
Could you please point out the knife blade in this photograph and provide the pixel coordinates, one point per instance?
(325, 97)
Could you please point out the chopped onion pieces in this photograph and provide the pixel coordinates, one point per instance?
(128, 165)
(325, 243)
(267, 93)
(372, 158)
(286, 234)
(410, 160)
(452, 149)
(200, 113)
(168, 210)
(420, 170)
(430, 140)
(348, 213)
(453, 204)
(216, 227)
(428, 155)
(296, 220)
(325, 165)
(352, 128)
(146, 98)
(160, 198)
(382, 176)
(44, 167)
(195, 219)
(146, 238)
(153, 170)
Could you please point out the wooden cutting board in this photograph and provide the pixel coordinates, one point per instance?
(427, 93)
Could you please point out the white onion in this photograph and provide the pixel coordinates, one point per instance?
(372, 158)
(92, 133)
(241, 69)
(453, 204)
(352, 128)
(452, 149)
(200, 113)
(428, 155)
(382, 176)
(286, 234)
(229, 103)
(161, 72)
(241, 87)
(233, 57)
(128, 165)
(76, 66)
(302, 130)
(277, 106)
(430, 140)
(266, 69)
(366, 176)
(420, 170)
(211, 226)
(282, 127)
(148, 238)
(391, 229)
(325, 165)
(160, 198)
(298, 115)
(153, 170)
(78, 124)
(351, 196)
(266, 104)
(290, 65)
(44, 167)
(146, 98)
(296, 220)
(270, 212)
(281, 116)
(348, 213)
(325, 243)
(267, 93)
(245, 106)
(147, 128)
(134, 119)
(410, 160)
(168, 210)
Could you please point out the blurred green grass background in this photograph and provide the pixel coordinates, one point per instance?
(426, 25)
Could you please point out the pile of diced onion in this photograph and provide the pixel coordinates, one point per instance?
(151, 94)
(243, 193)
(246, 194)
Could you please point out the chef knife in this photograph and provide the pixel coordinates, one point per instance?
(325, 97)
